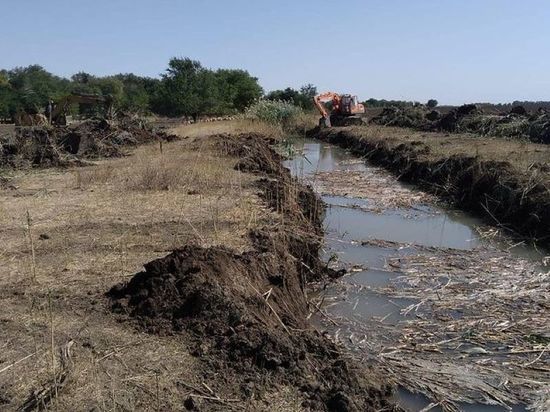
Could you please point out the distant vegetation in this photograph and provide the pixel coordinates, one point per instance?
(389, 103)
(185, 89)
(530, 106)
(302, 98)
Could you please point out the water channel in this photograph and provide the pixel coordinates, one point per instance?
(367, 234)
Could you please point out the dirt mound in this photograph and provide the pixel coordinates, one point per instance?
(470, 118)
(413, 117)
(247, 312)
(60, 146)
(29, 145)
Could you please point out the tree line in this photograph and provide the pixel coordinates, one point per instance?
(186, 88)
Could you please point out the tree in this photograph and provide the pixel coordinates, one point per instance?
(179, 91)
(302, 98)
(9, 101)
(432, 103)
(237, 90)
(186, 88)
(137, 92)
(3, 78)
(34, 86)
(189, 89)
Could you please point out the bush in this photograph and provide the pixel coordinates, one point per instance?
(276, 112)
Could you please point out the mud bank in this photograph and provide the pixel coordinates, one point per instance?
(247, 313)
(504, 196)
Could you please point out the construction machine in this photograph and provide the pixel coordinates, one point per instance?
(22, 118)
(61, 107)
(346, 109)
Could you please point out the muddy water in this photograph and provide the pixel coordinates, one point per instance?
(366, 227)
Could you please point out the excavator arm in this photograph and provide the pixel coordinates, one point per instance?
(324, 98)
(62, 106)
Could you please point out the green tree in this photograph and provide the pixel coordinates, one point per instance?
(186, 89)
(9, 101)
(237, 89)
(137, 92)
(432, 103)
(34, 86)
(302, 98)
(3, 78)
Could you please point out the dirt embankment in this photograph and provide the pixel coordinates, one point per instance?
(506, 182)
(471, 118)
(69, 145)
(246, 313)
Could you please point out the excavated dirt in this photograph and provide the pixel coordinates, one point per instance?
(69, 145)
(492, 189)
(247, 312)
(469, 118)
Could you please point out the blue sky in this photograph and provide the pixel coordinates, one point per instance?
(455, 51)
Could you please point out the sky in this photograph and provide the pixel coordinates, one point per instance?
(454, 51)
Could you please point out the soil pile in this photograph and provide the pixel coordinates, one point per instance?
(60, 146)
(469, 118)
(247, 312)
(413, 117)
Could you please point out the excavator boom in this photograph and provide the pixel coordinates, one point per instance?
(61, 108)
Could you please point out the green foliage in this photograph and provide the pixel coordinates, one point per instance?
(237, 90)
(302, 98)
(138, 92)
(9, 101)
(29, 88)
(432, 103)
(185, 89)
(189, 89)
(389, 103)
(274, 112)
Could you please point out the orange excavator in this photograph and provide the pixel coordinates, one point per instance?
(346, 110)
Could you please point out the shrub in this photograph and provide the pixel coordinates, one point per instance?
(276, 112)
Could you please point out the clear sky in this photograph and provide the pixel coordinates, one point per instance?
(453, 50)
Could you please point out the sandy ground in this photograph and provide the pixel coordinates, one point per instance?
(68, 236)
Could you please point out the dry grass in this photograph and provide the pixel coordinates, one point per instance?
(232, 126)
(92, 228)
(303, 123)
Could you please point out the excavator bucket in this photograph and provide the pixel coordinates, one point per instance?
(325, 122)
